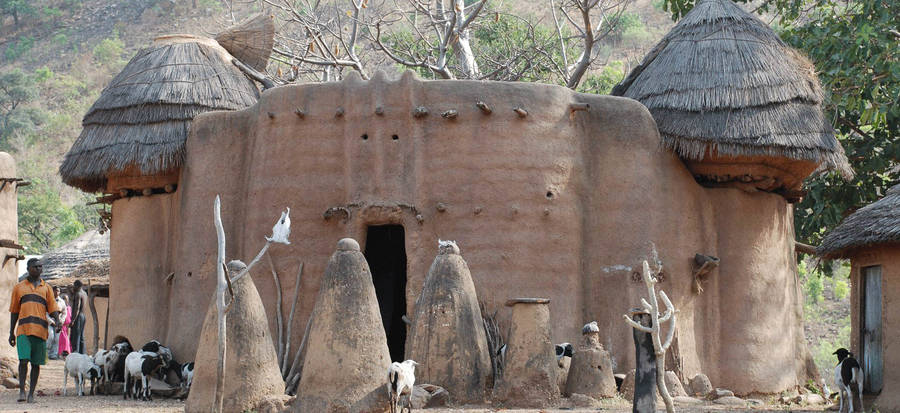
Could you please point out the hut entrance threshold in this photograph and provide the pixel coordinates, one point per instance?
(386, 254)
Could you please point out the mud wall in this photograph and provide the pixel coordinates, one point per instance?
(888, 257)
(9, 229)
(559, 203)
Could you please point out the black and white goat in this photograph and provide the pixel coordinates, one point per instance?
(846, 373)
(106, 360)
(169, 363)
(187, 375)
(122, 348)
(401, 379)
(80, 366)
(141, 365)
(564, 350)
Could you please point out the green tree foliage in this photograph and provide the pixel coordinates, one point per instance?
(17, 9)
(855, 46)
(17, 90)
(44, 221)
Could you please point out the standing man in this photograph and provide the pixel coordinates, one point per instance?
(32, 300)
(79, 302)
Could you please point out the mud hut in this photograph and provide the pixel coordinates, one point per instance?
(133, 135)
(870, 239)
(62, 261)
(555, 194)
(737, 104)
(10, 250)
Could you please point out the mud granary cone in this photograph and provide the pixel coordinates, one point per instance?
(447, 336)
(529, 376)
(251, 366)
(591, 371)
(347, 356)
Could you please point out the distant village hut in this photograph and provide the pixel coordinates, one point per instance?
(737, 104)
(870, 238)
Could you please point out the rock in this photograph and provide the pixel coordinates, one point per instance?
(447, 336)
(591, 372)
(719, 393)
(428, 395)
(251, 369)
(755, 402)
(700, 385)
(11, 383)
(346, 343)
(583, 401)
(685, 400)
(627, 387)
(813, 398)
(529, 376)
(730, 401)
(673, 384)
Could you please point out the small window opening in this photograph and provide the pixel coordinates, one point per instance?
(365, 136)
(395, 137)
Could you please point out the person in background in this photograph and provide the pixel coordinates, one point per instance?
(54, 330)
(32, 299)
(79, 303)
(65, 315)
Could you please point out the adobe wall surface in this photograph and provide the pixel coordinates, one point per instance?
(556, 204)
(888, 257)
(9, 229)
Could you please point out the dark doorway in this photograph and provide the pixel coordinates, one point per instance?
(386, 254)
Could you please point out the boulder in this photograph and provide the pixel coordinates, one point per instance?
(447, 335)
(583, 401)
(529, 376)
(813, 398)
(719, 393)
(730, 401)
(685, 400)
(700, 385)
(346, 357)
(673, 384)
(428, 395)
(591, 372)
(251, 366)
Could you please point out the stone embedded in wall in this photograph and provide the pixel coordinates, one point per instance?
(346, 358)
(447, 336)
(252, 376)
(591, 372)
(529, 376)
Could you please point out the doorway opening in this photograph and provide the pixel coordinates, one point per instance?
(386, 254)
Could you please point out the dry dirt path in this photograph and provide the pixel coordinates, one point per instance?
(52, 376)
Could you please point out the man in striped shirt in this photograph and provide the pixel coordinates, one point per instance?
(32, 300)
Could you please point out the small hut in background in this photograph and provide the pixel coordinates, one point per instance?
(132, 141)
(62, 261)
(737, 104)
(870, 238)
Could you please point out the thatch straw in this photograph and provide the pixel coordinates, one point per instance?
(722, 82)
(143, 116)
(63, 261)
(877, 223)
(251, 41)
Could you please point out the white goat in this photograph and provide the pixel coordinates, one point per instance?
(141, 364)
(846, 373)
(401, 379)
(106, 360)
(78, 366)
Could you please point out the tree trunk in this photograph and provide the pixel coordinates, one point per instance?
(645, 376)
(467, 63)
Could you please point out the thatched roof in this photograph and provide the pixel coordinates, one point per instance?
(251, 41)
(63, 261)
(91, 272)
(722, 82)
(143, 116)
(877, 223)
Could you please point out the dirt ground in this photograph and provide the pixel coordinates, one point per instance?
(52, 377)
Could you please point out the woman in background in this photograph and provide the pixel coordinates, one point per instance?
(64, 346)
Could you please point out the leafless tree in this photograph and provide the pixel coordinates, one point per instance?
(592, 20)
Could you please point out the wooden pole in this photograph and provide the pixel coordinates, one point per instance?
(91, 295)
(106, 324)
(221, 286)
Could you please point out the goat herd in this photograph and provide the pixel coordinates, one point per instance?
(121, 363)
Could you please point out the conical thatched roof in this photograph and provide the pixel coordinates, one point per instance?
(722, 83)
(63, 261)
(251, 41)
(877, 223)
(143, 116)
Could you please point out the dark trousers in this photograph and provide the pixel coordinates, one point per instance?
(77, 337)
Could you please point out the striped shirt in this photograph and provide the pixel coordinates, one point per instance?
(32, 304)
